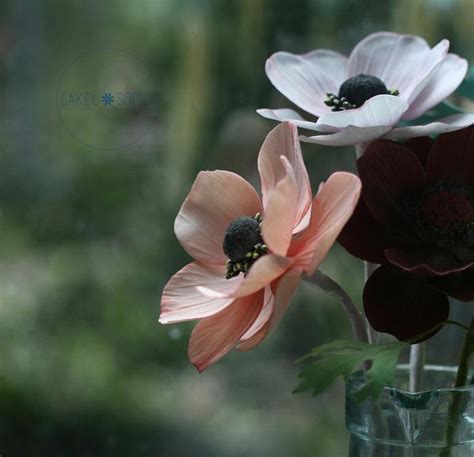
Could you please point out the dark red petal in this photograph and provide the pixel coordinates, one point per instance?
(363, 236)
(421, 146)
(403, 304)
(457, 285)
(452, 157)
(429, 262)
(388, 170)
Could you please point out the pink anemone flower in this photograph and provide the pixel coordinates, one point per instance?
(250, 253)
(386, 79)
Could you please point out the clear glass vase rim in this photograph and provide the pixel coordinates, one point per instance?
(438, 368)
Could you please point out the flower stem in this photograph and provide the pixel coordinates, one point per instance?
(369, 268)
(465, 360)
(417, 364)
(462, 377)
(332, 288)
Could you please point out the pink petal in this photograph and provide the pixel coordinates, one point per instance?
(284, 291)
(181, 299)
(215, 336)
(381, 110)
(306, 79)
(444, 80)
(266, 269)
(348, 136)
(444, 125)
(332, 207)
(249, 344)
(287, 115)
(400, 61)
(283, 140)
(263, 272)
(279, 216)
(215, 200)
(265, 314)
(285, 288)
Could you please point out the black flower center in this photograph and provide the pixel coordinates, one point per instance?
(355, 91)
(445, 216)
(243, 244)
(447, 210)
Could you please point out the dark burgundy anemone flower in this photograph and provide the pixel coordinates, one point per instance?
(416, 219)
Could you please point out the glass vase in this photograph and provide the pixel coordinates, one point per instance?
(435, 422)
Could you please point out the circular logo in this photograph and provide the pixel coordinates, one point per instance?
(105, 98)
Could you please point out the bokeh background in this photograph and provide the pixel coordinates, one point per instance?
(86, 237)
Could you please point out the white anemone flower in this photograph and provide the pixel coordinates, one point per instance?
(388, 78)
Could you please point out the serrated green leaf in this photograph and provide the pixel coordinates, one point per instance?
(342, 358)
(380, 374)
(466, 89)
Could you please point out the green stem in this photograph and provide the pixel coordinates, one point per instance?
(333, 289)
(455, 410)
(466, 356)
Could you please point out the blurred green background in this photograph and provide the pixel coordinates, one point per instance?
(86, 235)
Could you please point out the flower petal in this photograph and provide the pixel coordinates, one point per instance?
(348, 136)
(264, 316)
(247, 345)
(402, 304)
(364, 237)
(332, 207)
(429, 262)
(182, 300)
(283, 140)
(383, 184)
(215, 336)
(457, 285)
(443, 125)
(400, 61)
(215, 200)
(287, 115)
(306, 79)
(421, 146)
(452, 157)
(445, 80)
(279, 217)
(263, 272)
(381, 110)
(285, 288)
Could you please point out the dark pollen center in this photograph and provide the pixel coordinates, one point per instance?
(241, 237)
(360, 88)
(447, 210)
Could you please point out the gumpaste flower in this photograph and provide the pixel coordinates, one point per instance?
(416, 219)
(249, 252)
(387, 78)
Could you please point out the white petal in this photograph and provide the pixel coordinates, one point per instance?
(444, 125)
(287, 115)
(349, 136)
(306, 79)
(445, 80)
(381, 110)
(400, 61)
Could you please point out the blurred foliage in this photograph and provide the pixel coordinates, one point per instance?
(86, 235)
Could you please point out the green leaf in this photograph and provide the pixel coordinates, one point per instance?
(381, 373)
(466, 89)
(344, 357)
